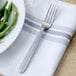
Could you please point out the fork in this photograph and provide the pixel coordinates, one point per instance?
(46, 24)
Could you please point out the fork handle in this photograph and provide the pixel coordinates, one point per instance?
(31, 52)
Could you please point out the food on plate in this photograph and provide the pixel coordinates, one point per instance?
(5, 13)
(3, 6)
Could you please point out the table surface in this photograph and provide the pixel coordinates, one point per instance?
(67, 66)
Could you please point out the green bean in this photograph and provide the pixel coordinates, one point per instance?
(10, 26)
(1, 15)
(5, 18)
(10, 8)
(3, 6)
(4, 27)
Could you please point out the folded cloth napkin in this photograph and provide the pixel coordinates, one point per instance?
(52, 46)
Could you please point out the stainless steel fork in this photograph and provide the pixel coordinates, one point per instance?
(46, 24)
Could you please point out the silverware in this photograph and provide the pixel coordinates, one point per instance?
(46, 24)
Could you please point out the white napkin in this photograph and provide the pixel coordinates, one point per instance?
(52, 46)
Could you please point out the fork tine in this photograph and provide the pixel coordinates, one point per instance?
(50, 17)
(47, 15)
(53, 14)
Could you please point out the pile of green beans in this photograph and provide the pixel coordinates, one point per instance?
(4, 17)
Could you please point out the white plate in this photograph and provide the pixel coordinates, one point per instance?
(11, 37)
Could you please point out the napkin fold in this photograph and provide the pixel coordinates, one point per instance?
(52, 46)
